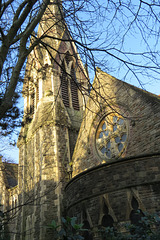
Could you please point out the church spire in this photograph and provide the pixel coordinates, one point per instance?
(52, 24)
(53, 111)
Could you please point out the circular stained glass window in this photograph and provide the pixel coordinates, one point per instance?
(111, 136)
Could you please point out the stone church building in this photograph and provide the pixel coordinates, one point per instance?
(93, 154)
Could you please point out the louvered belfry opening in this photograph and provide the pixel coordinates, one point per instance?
(64, 86)
(69, 87)
(74, 90)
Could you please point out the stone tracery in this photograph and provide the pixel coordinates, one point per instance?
(111, 136)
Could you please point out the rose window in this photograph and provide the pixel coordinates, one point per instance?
(111, 136)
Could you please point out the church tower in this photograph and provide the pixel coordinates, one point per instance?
(53, 111)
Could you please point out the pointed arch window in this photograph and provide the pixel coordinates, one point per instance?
(107, 220)
(64, 85)
(74, 90)
(87, 235)
(136, 213)
(69, 87)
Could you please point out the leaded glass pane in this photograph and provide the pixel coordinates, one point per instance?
(120, 147)
(115, 119)
(124, 137)
(108, 154)
(101, 135)
(104, 126)
(117, 139)
(103, 150)
(106, 132)
(108, 144)
(121, 121)
(114, 128)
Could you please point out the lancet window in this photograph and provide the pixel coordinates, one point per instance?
(64, 86)
(69, 85)
(136, 213)
(87, 235)
(33, 96)
(107, 220)
(74, 90)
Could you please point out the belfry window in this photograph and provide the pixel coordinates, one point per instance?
(74, 90)
(64, 86)
(69, 87)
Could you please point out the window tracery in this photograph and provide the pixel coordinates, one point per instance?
(111, 136)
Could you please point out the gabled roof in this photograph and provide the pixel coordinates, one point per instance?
(140, 109)
(143, 92)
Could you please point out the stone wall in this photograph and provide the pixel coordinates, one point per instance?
(139, 109)
(115, 184)
(46, 144)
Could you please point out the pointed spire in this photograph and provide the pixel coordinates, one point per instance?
(52, 22)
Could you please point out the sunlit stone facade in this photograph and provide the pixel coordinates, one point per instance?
(96, 158)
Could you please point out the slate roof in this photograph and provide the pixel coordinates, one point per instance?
(145, 93)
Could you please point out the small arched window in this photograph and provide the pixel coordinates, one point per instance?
(107, 220)
(136, 213)
(87, 235)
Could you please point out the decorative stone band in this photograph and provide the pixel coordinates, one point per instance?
(140, 172)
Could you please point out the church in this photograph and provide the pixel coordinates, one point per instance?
(92, 153)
